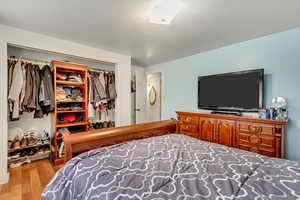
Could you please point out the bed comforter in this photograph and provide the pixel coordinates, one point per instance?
(174, 167)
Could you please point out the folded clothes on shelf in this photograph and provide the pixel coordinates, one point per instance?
(68, 93)
(70, 117)
(69, 130)
(69, 106)
(73, 77)
(63, 131)
(61, 76)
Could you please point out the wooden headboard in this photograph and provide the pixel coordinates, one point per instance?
(85, 141)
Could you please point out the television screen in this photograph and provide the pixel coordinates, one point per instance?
(231, 91)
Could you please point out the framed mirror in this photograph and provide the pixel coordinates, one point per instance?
(152, 96)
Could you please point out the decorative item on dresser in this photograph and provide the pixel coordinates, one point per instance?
(263, 136)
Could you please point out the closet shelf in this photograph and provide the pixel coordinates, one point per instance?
(70, 111)
(37, 156)
(71, 124)
(68, 67)
(70, 101)
(26, 147)
(70, 83)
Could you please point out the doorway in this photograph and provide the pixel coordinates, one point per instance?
(153, 103)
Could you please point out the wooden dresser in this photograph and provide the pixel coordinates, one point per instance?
(261, 136)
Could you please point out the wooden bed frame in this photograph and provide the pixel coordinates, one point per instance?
(85, 141)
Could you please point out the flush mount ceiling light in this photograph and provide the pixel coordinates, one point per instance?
(164, 11)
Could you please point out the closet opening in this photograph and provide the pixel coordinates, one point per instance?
(51, 94)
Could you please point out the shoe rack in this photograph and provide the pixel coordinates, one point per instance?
(27, 149)
(68, 68)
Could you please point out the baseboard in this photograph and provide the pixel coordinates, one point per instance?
(4, 178)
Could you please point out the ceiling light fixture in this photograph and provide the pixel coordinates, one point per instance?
(164, 11)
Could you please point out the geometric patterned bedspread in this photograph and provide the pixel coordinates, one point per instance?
(174, 167)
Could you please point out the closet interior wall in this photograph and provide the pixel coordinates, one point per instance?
(26, 121)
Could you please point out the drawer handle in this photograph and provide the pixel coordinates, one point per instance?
(254, 149)
(180, 122)
(188, 119)
(254, 139)
(187, 128)
(255, 129)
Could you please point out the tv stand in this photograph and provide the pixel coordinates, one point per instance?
(227, 113)
(263, 136)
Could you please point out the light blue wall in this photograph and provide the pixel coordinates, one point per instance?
(278, 54)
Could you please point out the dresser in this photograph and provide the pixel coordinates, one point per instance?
(263, 136)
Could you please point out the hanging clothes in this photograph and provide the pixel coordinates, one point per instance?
(91, 110)
(30, 89)
(11, 67)
(102, 80)
(22, 95)
(46, 92)
(112, 87)
(99, 94)
(15, 91)
(102, 95)
(38, 113)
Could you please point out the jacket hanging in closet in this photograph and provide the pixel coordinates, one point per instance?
(102, 94)
(17, 79)
(30, 89)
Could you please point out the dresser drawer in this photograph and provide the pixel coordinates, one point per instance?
(254, 128)
(189, 119)
(192, 128)
(256, 139)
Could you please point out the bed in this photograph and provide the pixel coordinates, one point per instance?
(150, 161)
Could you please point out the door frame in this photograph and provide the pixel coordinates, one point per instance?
(162, 98)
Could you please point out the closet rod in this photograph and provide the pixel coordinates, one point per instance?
(99, 70)
(29, 60)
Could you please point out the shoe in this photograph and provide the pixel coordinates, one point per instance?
(105, 124)
(32, 151)
(98, 126)
(24, 153)
(32, 141)
(41, 150)
(9, 143)
(24, 142)
(46, 150)
(46, 138)
(113, 124)
(19, 162)
(16, 143)
(14, 156)
(110, 125)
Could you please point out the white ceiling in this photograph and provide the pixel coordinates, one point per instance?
(122, 25)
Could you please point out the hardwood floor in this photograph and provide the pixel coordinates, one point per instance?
(28, 181)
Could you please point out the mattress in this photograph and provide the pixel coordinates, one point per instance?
(174, 167)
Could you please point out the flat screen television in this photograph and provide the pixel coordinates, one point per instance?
(236, 91)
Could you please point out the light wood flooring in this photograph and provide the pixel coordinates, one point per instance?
(27, 181)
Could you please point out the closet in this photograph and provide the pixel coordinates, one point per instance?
(37, 133)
